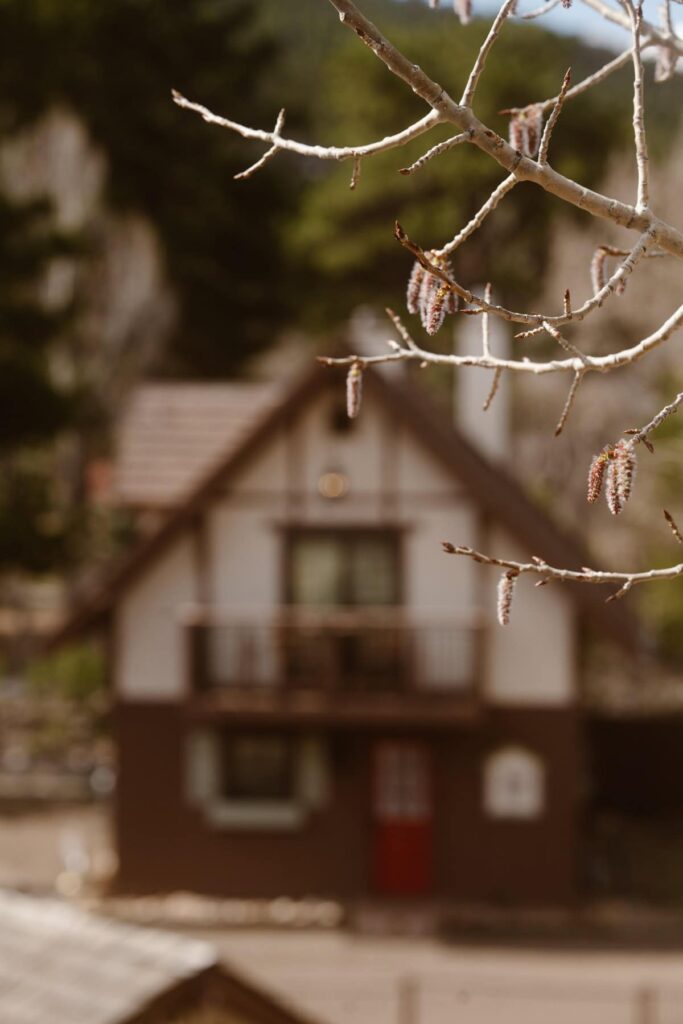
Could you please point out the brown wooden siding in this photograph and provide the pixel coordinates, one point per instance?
(165, 844)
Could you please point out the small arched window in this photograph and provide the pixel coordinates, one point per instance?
(514, 784)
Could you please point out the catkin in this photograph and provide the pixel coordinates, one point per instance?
(415, 280)
(436, 310)
(625, 469)
(525, 130)
(596, 475)
(612, 490)
(429, 296)
(354, 390)
(665, 66)
(463, 8)
(506, 590)
(534, 128)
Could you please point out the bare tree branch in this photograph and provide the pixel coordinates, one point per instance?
(303, 149)
(445, 109)
(636, 18)
(433, 289)
(599, 364)
(585, 575)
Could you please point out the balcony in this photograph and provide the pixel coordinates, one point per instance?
(341, 665)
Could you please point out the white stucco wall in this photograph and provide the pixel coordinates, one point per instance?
(151, 659)
(533, 659)
(359, 452)
(434, 580)
(245, 555)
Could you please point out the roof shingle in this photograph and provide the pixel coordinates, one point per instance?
(62, 965)
(172, 434)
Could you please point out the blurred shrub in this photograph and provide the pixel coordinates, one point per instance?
(75, 673)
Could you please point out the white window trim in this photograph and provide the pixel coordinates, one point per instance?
(312, 788)
(282, 815)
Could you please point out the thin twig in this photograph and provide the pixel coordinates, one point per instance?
(279, 125)
(552, 120)
(441, 147)
(643, 194)
(485, 339)
(489, 206)
(398, 324)
(538, 12)
(497, 374)
(564, 342)
(674, 526)
(480, 62)
(578, 376)
(355, 174)
(643, 433)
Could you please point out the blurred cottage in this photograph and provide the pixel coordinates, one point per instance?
(310, 697)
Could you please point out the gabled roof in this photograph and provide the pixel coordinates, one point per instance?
(172, 434)
(496, 492)
(61, 965)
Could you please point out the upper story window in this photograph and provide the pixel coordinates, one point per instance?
(343, 568)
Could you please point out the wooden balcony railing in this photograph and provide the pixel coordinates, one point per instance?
(359, 651)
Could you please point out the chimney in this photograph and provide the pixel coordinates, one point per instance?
(488, 431)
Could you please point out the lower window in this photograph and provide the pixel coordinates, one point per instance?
(261, 780)
(257, 767)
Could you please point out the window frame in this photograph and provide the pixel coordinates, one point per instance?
(202, 781)
(228, 737)
(343, 533)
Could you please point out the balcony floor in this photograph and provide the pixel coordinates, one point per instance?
(328, 707)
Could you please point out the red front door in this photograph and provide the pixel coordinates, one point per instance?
(402, 818)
